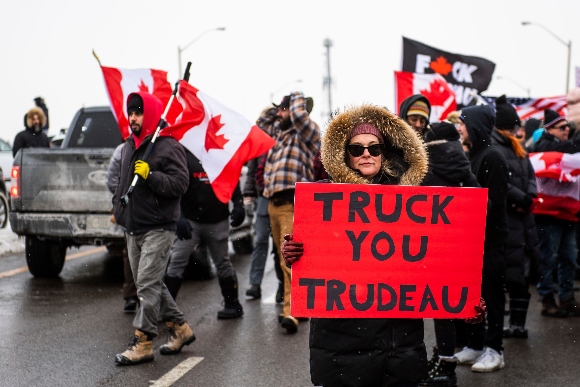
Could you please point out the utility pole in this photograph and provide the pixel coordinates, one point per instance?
(327, 83)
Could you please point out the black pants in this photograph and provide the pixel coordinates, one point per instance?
(492, 291)
(445, 336)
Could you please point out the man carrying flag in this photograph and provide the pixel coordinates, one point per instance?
(150, 218)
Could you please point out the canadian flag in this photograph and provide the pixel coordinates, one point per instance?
(220, 138)
(122, 82)
(433, 86)
(558, 184)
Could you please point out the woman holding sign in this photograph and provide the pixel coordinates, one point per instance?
(367, 145)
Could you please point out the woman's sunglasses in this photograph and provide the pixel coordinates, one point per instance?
(356, 150)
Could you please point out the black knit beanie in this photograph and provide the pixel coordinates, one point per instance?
(551, 118)
(505, 114)
(135, 104)
(445, 131)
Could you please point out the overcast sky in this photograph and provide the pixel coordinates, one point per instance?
(267, 46)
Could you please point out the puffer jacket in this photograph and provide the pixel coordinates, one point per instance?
(370, 352)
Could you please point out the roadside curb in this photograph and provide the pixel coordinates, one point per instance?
(10, 243)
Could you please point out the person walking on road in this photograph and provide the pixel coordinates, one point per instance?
(149, 218)
(288, 162)
(204, 218)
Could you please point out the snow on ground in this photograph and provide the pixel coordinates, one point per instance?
(10, 243)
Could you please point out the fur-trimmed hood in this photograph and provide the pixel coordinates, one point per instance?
(32, 112)
(405, 155)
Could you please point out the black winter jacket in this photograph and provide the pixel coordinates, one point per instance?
(490, 167)
(199, 202)
(154, 203)
(523, 244)
(549, 143)
(448, 165)
(28, 138)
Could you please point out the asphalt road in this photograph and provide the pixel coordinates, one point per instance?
(65, 332)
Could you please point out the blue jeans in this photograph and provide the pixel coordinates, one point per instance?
(261, 241)
(557, 247)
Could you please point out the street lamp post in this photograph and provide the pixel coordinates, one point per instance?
(280, 89)
(567, 44)
(527, 89)
(180, 50)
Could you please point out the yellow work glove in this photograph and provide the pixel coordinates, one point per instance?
(142, 169)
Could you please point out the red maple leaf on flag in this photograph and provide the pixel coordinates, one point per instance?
(437, 94)
(212, 139)
(441, 66)
(143, 87)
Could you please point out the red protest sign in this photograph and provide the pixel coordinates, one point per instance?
(388, 251)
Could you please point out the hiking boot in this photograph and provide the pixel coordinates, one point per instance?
(254, 292)
(571, 307)
(280, 293)
(130, 305)
(232, 307)
(468, 355)
(179, 336)
(442, 374)
(140, 350)
(551, 309)
(491, 360)
(290, 324)
(515, 331)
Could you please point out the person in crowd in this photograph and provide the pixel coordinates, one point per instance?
(368, 145)
(485, 347)
(129, 289)
(448, 166)
(205, 218)
(556, 224)
(522, 250)
(253, 192)
(415, 110)
(288, 162)
(32, 136)
(149, 216)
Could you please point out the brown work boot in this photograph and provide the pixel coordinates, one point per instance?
(551, 309)
(571, 307)
(179, 335)
(140, 350)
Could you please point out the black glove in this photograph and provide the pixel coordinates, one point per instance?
(238, 215)
(183, 229)
(527, 202)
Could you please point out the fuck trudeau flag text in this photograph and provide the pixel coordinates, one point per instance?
(220, 138)
(388, 251)
(432, 86)
(558, 184)
(467, 75)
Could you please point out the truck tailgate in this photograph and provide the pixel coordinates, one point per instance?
(64, 180)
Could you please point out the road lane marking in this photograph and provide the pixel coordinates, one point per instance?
(177, 372)
(70, 257)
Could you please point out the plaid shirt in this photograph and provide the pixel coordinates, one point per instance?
(291, 158)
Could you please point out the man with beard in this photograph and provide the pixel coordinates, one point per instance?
(149, 218)
(32, 136)
(288, 162)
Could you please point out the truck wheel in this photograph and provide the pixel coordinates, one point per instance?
(200, 266)
(45, 259)
(3, 210)
(243, 245)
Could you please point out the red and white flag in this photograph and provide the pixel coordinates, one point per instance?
(122, 82)
(558, 184)
(220, 138)
(433, 86)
